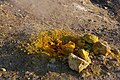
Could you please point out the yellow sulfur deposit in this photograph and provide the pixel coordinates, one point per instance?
(101, 48)
(70, 44)
(90, 38)
(84, 55)
(60, 44)
(81, 43)
(116, 54)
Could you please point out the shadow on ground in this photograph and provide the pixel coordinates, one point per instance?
(113, 7)
(14, 59)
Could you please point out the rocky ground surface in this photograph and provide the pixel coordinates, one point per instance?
(111, 5)
(21, 18)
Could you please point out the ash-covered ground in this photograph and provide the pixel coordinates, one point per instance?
(21, 18)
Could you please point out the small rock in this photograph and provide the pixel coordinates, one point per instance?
(101, 48)
(53, 60)
(1, 74)
(84, 55)
(3, 69)
(68, 48)
(52, 66)
(90, 38)
(81, 43)
(76, 63)
(115, 51)
(19, 10)
(116, 54)
(11, 6)
(106, 8)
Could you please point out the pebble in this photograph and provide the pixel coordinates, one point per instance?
(0, 75)
(1, 5)
(3, 69)
(53, 60)
(106, 8)
(11, 5)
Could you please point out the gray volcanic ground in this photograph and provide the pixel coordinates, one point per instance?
(21, 18)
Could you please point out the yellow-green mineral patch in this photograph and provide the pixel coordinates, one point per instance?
(90, 38)
(65, 44)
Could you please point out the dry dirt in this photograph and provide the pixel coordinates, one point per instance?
(21, 18)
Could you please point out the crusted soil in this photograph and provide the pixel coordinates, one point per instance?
(21, 18)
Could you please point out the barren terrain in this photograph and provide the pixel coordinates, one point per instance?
(21, 18)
